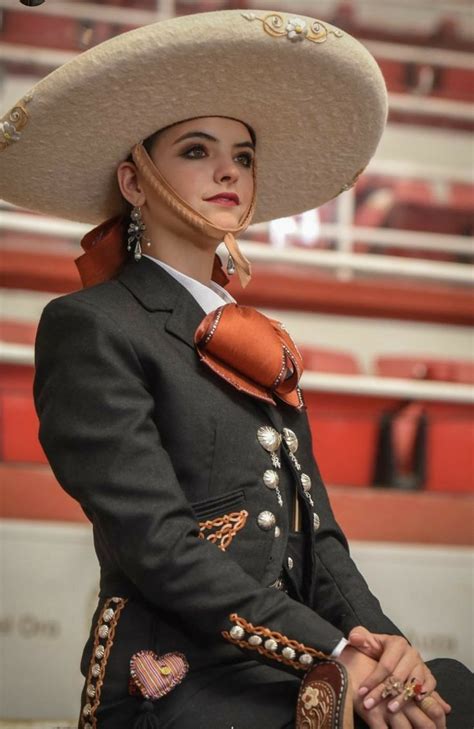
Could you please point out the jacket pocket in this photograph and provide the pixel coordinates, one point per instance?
(219, 505)
(221, 518)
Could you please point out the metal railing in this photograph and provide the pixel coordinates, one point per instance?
(23, 355)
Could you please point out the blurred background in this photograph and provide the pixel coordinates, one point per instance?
(376, 288)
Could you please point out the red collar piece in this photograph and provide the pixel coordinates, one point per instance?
(106, 253)
(253, 353)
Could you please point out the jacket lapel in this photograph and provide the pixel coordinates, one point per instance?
(157, 290)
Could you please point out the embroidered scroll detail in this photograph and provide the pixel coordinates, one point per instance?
(294, 28)
(323, 699)
(12, 123)
(271, 644)
(317, 705)
(103, 641)
(227, 527)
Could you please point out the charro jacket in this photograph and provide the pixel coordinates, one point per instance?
(161, 454)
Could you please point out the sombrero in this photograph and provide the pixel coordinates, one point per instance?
(314, 96)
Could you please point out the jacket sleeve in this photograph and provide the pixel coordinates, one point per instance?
(100, 437)
(342, 594)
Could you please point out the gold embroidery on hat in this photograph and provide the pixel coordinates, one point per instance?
(13, 122)
(295, 28)
(227, 527)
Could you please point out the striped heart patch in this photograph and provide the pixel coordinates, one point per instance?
(155, 676)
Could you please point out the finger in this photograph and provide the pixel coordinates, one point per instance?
(432, 708)
(365, 641)
(374, 719)
(401, 674)
(399, 721)
(390, 658)
(415, 680)
(445, 706)
(419, 719)
(429, 684)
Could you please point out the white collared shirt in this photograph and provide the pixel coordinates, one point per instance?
(209, 297)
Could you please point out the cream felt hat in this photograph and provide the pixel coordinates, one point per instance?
(314, 96)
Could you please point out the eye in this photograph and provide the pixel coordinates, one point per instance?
(247, 159)
(190, 153)
(197, 151)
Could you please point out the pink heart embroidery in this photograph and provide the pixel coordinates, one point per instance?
(155, 676)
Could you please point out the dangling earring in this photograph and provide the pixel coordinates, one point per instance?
(230, 265)
(137, 233)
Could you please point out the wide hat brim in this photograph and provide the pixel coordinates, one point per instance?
(314, 96)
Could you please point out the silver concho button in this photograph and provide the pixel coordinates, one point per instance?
(255, 640)
(269, 438)
(108, 615)
(266, 520)
(290, 439)
(271, 479)
(103, 631)
(290, 563)
(277, 532)
(316, 521)
(95, 670)
(237, 632)
(289, 653)
(306, 659)
(99, 652)
(91, 691)
(86, 711)
(271, 645)
(306, 482)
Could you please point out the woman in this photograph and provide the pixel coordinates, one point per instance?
(168, 412)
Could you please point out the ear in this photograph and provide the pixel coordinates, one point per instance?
(129, 185)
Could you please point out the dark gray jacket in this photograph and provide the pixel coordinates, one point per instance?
(152, 443)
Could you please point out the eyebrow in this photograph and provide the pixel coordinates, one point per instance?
(203, 135)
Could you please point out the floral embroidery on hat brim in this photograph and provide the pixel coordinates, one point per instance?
(13, 122)
(294, 28)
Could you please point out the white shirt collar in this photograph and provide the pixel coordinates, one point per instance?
(208, 297)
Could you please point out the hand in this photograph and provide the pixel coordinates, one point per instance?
(395, 657)
(409, 716)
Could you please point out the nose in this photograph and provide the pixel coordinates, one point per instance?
(226, 171)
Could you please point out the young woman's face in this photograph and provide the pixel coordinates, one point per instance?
(206, 157)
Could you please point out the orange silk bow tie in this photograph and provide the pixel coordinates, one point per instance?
(253, 353)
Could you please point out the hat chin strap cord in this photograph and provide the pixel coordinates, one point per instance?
(161, 187)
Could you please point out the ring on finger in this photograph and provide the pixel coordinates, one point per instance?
(426, 703)
(392, 686)
(412, 689)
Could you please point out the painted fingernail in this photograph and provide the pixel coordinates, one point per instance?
(363, 690)
(394, 706)
(368, 703)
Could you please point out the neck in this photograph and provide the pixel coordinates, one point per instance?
(194, 258)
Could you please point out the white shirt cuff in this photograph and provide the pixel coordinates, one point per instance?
(339, 648)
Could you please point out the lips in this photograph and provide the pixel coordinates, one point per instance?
(224, 198)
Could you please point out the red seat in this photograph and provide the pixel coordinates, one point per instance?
(419, 367)
(18, 420)
(317, 359)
